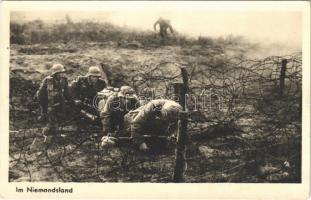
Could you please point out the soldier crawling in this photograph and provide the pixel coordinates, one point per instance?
(116, 106)
(54, 99)
(158, 118)
(84, 90)
(164, 25)
(120, 112)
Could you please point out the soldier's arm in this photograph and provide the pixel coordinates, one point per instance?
(73, 89)
(133, 104)
(67, 94)
(137, 103)
(103, 84)
(105, 115)
(42, 95)
(155, 25)
(171, 28)
(144, 115)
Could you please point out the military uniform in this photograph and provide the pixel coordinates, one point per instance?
(104, 95)
(164, 25)
(82, 89)
(158, 117)
(54, 99)
(146, 95)
(84, 93)
(112, 114)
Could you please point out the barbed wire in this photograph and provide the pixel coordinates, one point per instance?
(249, 88)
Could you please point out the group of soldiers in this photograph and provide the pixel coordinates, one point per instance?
(118, 111)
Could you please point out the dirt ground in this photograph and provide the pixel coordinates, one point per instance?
(254, 149)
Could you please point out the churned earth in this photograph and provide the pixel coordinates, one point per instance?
(222, 149)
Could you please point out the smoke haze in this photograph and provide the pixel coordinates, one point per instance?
(263, 27)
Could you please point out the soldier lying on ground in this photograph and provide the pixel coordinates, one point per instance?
(156, 118)
(164, 25)
(84, 90)
(54, 98)
(117, 105)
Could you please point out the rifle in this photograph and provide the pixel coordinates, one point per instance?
(124, 140)
(89, 115)
(145, 136)
(85, 113)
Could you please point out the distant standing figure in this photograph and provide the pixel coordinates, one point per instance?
(164, 25)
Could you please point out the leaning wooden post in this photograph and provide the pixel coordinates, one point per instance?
(282, 77)
(181, 90)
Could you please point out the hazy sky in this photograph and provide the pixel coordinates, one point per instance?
(271, 26)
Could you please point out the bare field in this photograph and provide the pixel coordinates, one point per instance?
(257, 138)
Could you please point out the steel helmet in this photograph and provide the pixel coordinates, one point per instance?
(94, 71)
(105, 92)
(112, 89)
(126, 90)
(57, 68)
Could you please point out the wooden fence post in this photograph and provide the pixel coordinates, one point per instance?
(180, 152)
(181, 90)
(282, 77)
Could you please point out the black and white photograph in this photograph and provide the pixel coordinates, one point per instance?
(174, 92)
